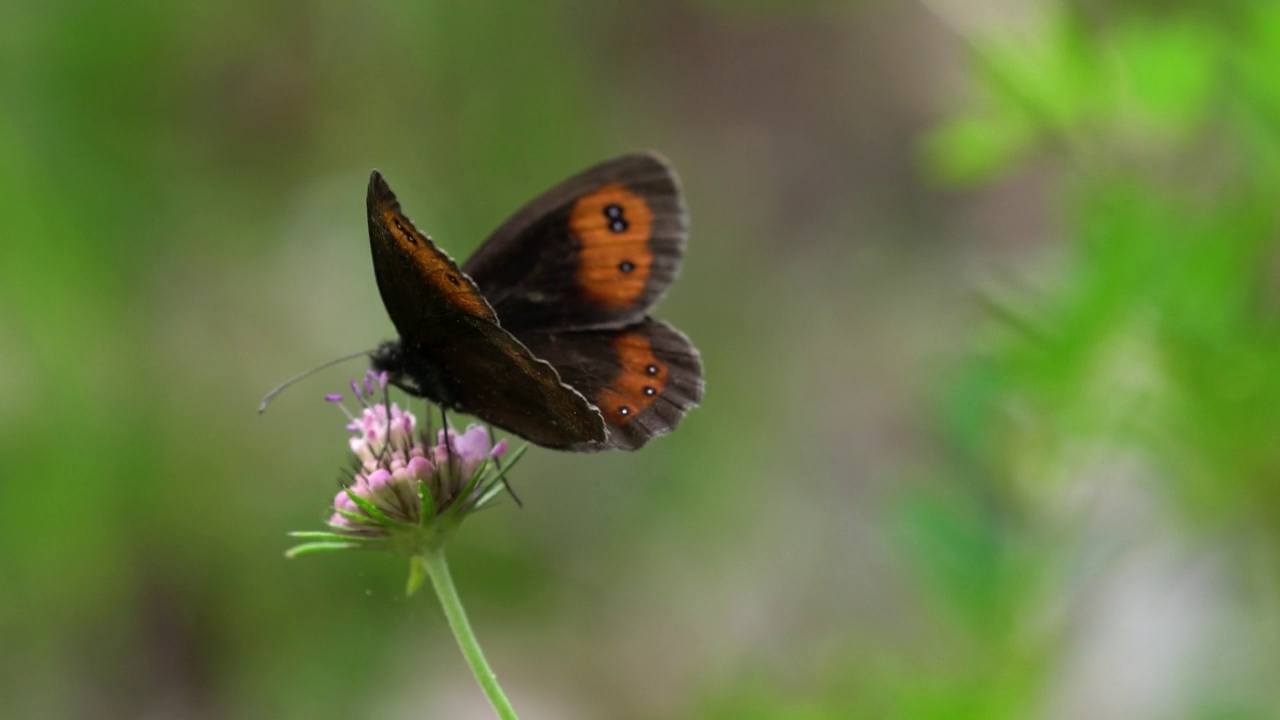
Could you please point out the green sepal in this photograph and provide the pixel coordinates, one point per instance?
(354, 517)
(472, 482)
(417, 573)
(372, 511)
(492, 491)
(428, 508)
(330, 536)
(318, 547)
(502, 472)
(497, 481)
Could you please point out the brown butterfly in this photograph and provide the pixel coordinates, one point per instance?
(544, 331)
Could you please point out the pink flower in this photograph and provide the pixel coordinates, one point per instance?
(399, 477)
(467, 451)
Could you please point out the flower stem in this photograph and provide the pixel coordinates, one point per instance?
(433, 561)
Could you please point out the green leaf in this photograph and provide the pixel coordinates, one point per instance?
(957, 546)
(969, 150)
(1054, 80)
(1167, 70)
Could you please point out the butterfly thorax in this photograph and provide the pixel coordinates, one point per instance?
(411, 372)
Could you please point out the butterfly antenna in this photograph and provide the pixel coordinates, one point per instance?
(262, 406)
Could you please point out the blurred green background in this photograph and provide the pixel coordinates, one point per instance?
(988, 295)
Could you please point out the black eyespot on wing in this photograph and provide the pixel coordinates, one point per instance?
(407, 235)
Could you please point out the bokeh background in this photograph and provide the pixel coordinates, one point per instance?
(988, 295)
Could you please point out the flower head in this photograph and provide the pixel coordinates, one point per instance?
(408, 490)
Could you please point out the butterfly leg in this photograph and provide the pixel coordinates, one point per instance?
(505, 484)
(407, 386)
(448, 449)
(429, 434)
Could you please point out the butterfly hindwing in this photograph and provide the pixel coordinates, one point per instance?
(643, 378)
(598, 250)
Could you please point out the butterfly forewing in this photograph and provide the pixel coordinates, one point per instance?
(418, 281)
(495, 377)
(452, 349)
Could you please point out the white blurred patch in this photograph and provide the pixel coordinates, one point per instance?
(1145, 606)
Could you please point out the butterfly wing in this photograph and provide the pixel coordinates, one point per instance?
(452, 349)
(493, 376)
(643, 378)
(598, 250)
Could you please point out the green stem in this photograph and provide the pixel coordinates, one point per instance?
(437, 568)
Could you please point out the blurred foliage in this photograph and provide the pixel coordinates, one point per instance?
(180, 202)
(1162, 331)
(1149, 361)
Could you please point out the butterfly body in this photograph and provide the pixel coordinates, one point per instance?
(545, 331)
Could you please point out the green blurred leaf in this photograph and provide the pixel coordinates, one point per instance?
(968, 150)
(1052, 80)
(959, 552)
(1168, 68)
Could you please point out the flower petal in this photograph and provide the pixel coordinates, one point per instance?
(472, 444)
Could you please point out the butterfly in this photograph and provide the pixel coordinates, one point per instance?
(545, 331)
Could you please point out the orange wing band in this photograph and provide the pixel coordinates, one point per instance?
(434, 266)
(614, 226)
(640, 382)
